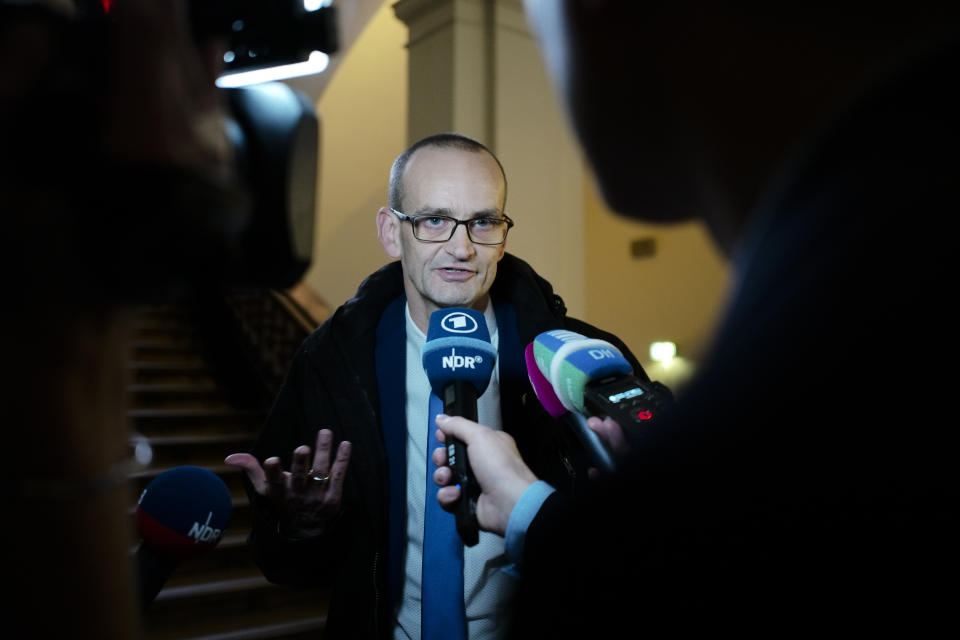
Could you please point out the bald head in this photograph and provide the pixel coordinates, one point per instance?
(441, 141)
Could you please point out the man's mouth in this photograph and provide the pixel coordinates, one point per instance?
(455, 273)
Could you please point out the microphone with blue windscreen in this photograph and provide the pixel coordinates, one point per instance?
(182, 513)
(458, 359)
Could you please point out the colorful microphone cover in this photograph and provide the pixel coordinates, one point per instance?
(570, 361)
(542, 387)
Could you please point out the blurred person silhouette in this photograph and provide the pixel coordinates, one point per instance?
(806, 480)
(116, 187)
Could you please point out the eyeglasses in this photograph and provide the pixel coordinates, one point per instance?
(434, 228)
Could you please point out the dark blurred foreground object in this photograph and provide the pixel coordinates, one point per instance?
(264, 33)
(126, 177)
(789, 492)
(168, 225)
(276, 137)
(255, 33)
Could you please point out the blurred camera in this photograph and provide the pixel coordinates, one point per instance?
(265, 33)
(258, 33)
(273, 129)
(132, 229)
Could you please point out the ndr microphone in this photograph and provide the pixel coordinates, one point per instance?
(593, 378)
(182, 513)
(458, 360)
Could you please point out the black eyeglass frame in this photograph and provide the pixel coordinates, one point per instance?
(456, 223)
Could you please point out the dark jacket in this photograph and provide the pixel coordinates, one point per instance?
(332, 383)
(808, 477)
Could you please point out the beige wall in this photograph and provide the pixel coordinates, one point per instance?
(542, 161)
(363, 115)
(674, 295)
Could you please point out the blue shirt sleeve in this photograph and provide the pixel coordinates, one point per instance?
(520, 518)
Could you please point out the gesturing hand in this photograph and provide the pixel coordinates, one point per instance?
(308, 496)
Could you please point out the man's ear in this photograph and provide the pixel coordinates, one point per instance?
(388, 232)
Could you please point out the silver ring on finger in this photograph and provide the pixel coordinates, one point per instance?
(318, 478)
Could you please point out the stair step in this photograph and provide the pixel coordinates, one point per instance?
(190, 412)
(179, 372)
(311, 626)
(167, 321)
(223, 601)
(176, 340)
(168, 353)
(159, 395)
(287, 624)
(160, 388)
(163, 365)
(175, 421)
(219, 587)
(193, 405)
(230, 541)
(196, 439)
(164, 331)
(193, 448)
(168, 333)
(153, 471)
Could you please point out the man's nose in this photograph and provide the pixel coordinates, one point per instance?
(460, 244)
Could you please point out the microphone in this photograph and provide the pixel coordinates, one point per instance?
(600, 456)
(182, 513)
(458, 360)
(591, 377)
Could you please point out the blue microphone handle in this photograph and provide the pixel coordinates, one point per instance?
(460, 399)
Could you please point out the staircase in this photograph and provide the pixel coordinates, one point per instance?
(197, 394)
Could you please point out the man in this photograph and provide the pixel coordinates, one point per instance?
(806, 480)
(359, 381)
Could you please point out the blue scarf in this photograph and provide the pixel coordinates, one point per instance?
(390, 354)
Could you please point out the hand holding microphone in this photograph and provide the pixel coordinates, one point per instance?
(576, 377)
(600, 455)
(500, 472)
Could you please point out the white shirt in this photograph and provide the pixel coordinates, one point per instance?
(487, 588)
